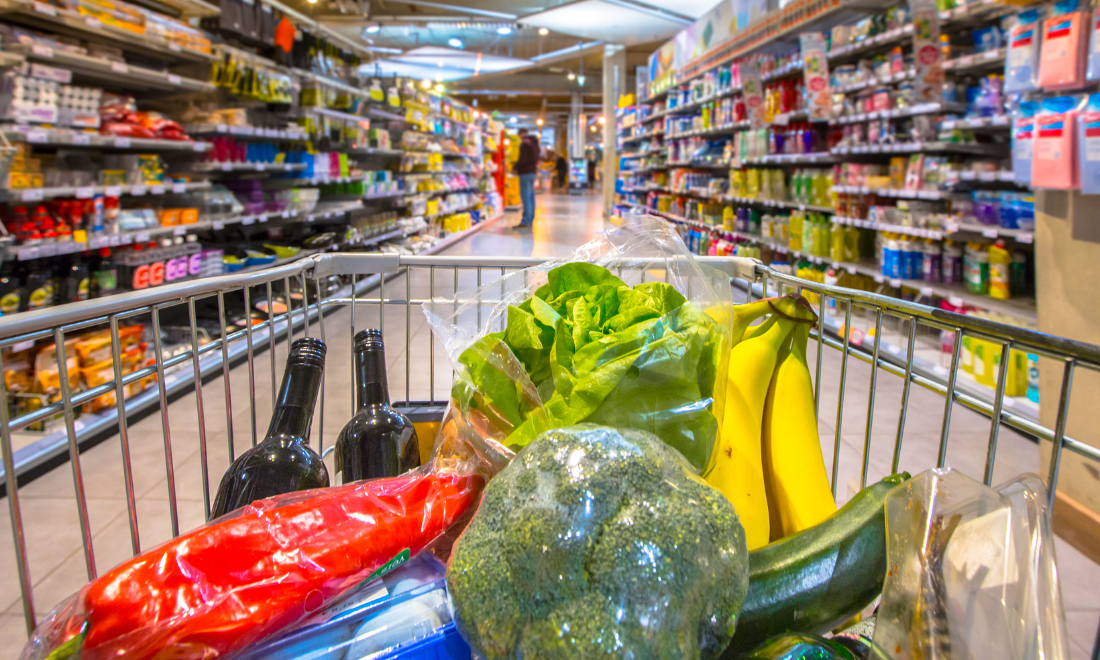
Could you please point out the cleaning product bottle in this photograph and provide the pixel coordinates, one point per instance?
(999, 261)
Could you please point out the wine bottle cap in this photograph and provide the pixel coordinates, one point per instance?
(370, 338)
(307, 351)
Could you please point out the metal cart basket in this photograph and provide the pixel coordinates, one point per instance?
(192, 330)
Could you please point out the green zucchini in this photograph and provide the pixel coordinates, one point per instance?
(817, 579)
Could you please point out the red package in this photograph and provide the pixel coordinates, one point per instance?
(218, 589)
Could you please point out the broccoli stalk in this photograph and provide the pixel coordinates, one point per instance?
(598, 543)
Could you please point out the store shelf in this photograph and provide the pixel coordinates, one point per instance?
(336, 114)
(87, 192)
(949, 228)
(702, 164)
(817, 158)
(727, 129)
(245, 132)
(921, 147)
(899, 192)
(249, 167)
(874, 82)
(896, 113)
(70, 23)
(644, 136)
(998, 123)
(990, 59)
(697, 103)
(883, 40)
(65, 137)
(113, 74)
(775, 203)
(383, 114)
(967, 176)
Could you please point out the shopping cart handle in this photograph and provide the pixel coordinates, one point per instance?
(740, 267)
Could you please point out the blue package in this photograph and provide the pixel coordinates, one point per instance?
(1009, 211)
(1088, 137)
(987, 39)
(1093, 72)
(1022, 60)
(1023, 137)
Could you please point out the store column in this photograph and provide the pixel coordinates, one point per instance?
(614, 86)
(1067, 269)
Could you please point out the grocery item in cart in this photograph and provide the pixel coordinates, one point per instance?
(597, 542)
(972, 571)
(216, 590)
(593, 338)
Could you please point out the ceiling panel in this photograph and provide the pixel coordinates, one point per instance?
(693, 8)
(443, 64)
(604, 21)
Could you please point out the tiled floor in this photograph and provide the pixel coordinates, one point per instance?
(57, 561)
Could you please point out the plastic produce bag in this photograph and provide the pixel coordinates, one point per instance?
(213, 591)
(630, 331)
(599, 543)
(972, 571)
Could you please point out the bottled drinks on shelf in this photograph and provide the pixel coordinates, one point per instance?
(283, 462)
(378, 441)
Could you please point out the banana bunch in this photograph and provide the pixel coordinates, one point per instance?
(768, 461)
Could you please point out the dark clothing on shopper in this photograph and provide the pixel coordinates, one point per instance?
(528, 161)
(563, 170)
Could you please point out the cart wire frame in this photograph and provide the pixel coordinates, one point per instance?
(368, 273)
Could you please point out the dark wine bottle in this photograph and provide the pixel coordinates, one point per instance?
(283, 462)
(378, 441)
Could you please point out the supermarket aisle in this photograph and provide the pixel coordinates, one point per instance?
(57, 562)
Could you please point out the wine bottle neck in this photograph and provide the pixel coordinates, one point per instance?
(372, 388)
(293, 414)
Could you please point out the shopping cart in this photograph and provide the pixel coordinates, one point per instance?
(376, 290)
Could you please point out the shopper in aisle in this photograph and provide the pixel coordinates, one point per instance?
(526, 167)
(562, 167)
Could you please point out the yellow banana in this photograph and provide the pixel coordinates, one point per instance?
(738, 470)
(797, 485)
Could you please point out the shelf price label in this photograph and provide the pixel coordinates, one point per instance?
(43, 8)
(27, 253)
(41, 50)
(120, 67)
(1025, 237)
(81, 138)
(122, 142)
(84, 193)
(138, 191)
(173, 79)
(112, 191)
(93, 22)
(157, 190)
(990, 233)
(32, 195)
(179, 231)
(179, 188)
(38, 137)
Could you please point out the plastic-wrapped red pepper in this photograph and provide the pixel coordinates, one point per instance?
(221, 587)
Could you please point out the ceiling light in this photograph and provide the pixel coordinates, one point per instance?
(592, 128)
(602, 120)
(543, 32)
(371, 29)
(439, 88)
(580, 80)
(426, 84)
(513, 119)
(455, 42)
(504, 30)
(572, 76)
(539, 121)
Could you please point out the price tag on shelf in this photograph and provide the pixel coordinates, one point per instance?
(120, 67)
(122, 142)
(80, 138)
(965, 61)
(179, 188)
(227, 167)
(174, 47)
(179, 231)
(259, 167)
(41, 50)
(221, 128)
(955, 301)
(173, 79)
(43, 8)
(97, 242)
(928, 194)
(200, 146)
(27, 253)
(218, 225)
(114, 241)
(990, 233)
(113, 191)
(263, 218)
(880, 279)
(142, 237)
(836, 265)
(286, 214)
(893, 350)
(156, 190)
(22, 346)
(927, 291)
(248, 219)
(852, 270)
(93, 22)
(126, 239)
(1000, 120)
(32, 195)
(138, 191)
(991, 54)
(894, 282)
(987, 176)
(38, 137)
(1025, 237)
(86, 192)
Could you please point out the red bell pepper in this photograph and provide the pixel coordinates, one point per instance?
(222, 587)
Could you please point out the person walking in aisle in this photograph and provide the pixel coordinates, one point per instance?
(562, 168)
(527, 166)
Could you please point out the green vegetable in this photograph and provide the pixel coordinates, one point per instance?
(596, 350)
(599, 543)
(817, 579)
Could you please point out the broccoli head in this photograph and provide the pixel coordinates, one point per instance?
(599, 543)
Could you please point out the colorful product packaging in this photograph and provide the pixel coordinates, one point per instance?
(1093, 72)
(1054, 160)
(1023, 53)
(1062, 59)
(1088, 136)
(1023, 135)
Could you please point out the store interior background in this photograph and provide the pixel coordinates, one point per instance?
(559, 69)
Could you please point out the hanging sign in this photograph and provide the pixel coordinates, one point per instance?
(753, 93)
(815, 73)
(927, 57)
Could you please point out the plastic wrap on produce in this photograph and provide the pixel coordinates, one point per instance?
(629, 331)
(212, 592)
(599, 543)
(971, 571)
